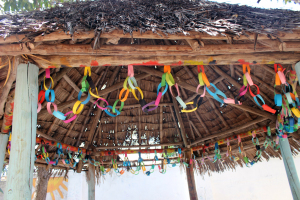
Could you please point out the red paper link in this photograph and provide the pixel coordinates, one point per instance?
(222, 141)
(64, 146)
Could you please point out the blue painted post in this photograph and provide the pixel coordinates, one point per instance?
(290, 168)
(21, 162)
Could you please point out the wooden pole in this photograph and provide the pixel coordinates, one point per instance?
(3, 144)
(91, 181)
(290, 168)
(19, 179)
(191, 178)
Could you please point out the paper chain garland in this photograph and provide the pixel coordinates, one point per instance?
(167, 82)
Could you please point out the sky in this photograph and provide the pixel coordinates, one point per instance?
(280, 4)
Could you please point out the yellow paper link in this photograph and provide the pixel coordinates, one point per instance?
(94, 95)
(170, 79)
(187, 111)
(140, 91)
(193, 62)
(45, 83)
(86, 70)
(77, 110)
(221, 141)
(107, 170)
(296, 112)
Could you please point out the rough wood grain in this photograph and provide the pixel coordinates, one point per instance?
(19, 180)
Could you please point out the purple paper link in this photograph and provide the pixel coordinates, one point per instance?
(150, 109)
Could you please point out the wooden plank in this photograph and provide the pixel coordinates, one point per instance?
(226, 132)
(140, 146)
(135, 49)
(180, 121)
(187, 86)
(60, 35)
(19, 180)
(191, 178)
(91, 181)
(290, 168)
(259, 58)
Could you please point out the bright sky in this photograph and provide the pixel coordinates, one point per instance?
(280, 4)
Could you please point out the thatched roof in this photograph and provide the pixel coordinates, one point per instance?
(42, 34)
(169, 17)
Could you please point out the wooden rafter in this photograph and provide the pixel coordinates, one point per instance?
(99, 111)
(259, 58)
(229, 131)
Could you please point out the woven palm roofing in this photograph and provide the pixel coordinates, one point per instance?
(133, 126)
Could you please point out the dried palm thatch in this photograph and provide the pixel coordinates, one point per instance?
(42, 34)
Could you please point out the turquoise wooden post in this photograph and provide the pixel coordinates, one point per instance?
(3, 144)
(290, 168)
(21, 162)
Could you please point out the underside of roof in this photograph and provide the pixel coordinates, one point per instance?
(150, 34)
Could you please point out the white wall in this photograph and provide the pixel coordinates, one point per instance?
(266, 180)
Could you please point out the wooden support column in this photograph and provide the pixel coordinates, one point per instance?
(91, 181)
(290, 168)
(3, 144)
(19, 180)
(191, 178)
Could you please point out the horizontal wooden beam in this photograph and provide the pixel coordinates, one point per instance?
(255, 58)
(150, 50)
(226, 132)
(140, 146)
(60, 35)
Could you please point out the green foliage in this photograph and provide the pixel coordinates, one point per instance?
(29, 5)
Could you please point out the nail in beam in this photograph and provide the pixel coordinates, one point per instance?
(290, 168)
(91, 181)
(19, 179)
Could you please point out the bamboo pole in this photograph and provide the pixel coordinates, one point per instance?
(19, 180)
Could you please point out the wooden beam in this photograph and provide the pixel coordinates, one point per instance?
(20, 175)
(98, 111)
(140, 146)
(91, 181)
(151, 50)
(187, 86)
(226, 132)
(60, 35)
(48, 137)
(259, 58)
(290, 168)
(191, 178)
(7, 87)
(180, 121)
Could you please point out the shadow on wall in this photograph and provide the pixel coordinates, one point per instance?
(57, 189)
